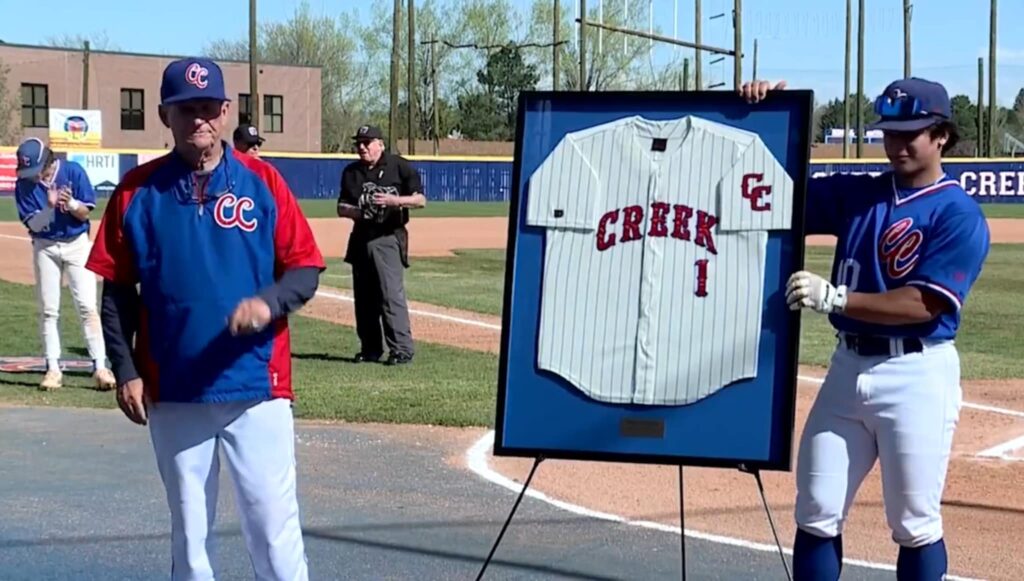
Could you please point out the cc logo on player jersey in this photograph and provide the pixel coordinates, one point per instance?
(230, 212)
(756, 194)
(899, 247)
(196, 75)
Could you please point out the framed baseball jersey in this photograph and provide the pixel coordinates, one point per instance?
(650, 238)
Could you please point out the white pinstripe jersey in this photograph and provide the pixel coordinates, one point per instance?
(656, 234)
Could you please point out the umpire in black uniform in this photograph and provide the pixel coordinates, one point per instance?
(377, 191)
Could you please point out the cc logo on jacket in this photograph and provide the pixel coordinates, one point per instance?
(230, 212)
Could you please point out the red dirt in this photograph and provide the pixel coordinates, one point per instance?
(982, 497)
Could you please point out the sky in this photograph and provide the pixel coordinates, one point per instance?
(802, 41)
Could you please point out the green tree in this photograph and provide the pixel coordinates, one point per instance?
(830, 115)
(481, 117)
(10, 107)
(1018, 103)
(504, 77)
(319, 41)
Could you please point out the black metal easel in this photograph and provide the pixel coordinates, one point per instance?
(682, 519)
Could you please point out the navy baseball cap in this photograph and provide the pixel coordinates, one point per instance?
(188, 79)
(32, 154)
(247, 134)
(911, 105)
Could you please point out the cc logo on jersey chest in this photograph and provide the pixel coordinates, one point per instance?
(230, 212)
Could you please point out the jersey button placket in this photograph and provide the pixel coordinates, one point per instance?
(650, 267)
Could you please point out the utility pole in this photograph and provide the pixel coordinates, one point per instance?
(698, 25)
(85, 76)
(980, 148)
(860, 80)
(846, 79)
(686, 74)
(907, 7)
(753, 75)
(992, 103)
(254, 70)
(583, 45)
(396, 19)
(411, 89)
(555, 48)
(433, 97)
(737, 73)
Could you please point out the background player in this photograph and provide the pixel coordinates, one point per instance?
(911, 244)
(211, 366)
(54, 198)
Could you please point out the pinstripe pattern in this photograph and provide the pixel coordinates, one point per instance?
(646, 297)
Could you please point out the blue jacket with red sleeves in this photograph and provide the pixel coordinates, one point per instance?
(197, 251)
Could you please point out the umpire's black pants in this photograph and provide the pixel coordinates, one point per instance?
(377, 283)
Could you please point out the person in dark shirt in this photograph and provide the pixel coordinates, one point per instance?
(377, 192)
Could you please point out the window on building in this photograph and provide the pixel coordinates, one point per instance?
(133, 110)
(273, 114)
(244, 109)
(35, 105)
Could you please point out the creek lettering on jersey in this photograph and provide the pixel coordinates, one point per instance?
(899, 246)
(623, 225)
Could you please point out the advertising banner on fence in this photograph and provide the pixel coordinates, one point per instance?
(8, 167)
(103, 169)
(75, 129)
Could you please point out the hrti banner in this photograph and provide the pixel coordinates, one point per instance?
(103, 169)
(75, 129)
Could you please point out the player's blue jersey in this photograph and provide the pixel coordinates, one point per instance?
(935, 237)
(30, 197)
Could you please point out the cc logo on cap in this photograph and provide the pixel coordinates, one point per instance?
(196, 75)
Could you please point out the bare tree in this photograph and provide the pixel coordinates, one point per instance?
(10, 106)
(98, 41)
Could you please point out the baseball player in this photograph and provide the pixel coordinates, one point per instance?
(678, 212)
(911, 244)
(54, 198)
(221, 254)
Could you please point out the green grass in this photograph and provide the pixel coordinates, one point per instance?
(474, 280)
(327, 209)
(443, 386)
(1004, 210)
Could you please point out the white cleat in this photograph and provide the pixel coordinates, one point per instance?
(53, 379)
(104, 379)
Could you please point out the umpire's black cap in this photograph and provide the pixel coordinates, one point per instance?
(368, 132)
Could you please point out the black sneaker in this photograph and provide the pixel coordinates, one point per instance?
(399, 359)
(366, 358)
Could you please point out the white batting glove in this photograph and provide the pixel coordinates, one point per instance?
(808, 290)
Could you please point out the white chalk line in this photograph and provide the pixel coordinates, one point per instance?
(10, 237)
(476, 460)
(422, 313)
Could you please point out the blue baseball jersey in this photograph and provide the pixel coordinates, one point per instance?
(935, 238)
(196, 252)
(30, 197)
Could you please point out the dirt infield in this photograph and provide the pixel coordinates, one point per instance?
(984, 497)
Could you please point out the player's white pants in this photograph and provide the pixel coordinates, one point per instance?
(258, 442)
(51, 259)
(902, 411)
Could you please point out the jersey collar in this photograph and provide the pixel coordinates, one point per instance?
(905, 196)
(220, 180)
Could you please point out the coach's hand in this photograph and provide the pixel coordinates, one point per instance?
(808, 290)
(131, 398)
(250, 316)
(755, 91)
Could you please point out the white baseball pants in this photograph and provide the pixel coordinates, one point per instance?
(51, 260)
(258, 442)
(900, 411)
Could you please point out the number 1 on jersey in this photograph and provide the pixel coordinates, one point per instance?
(701, 267)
